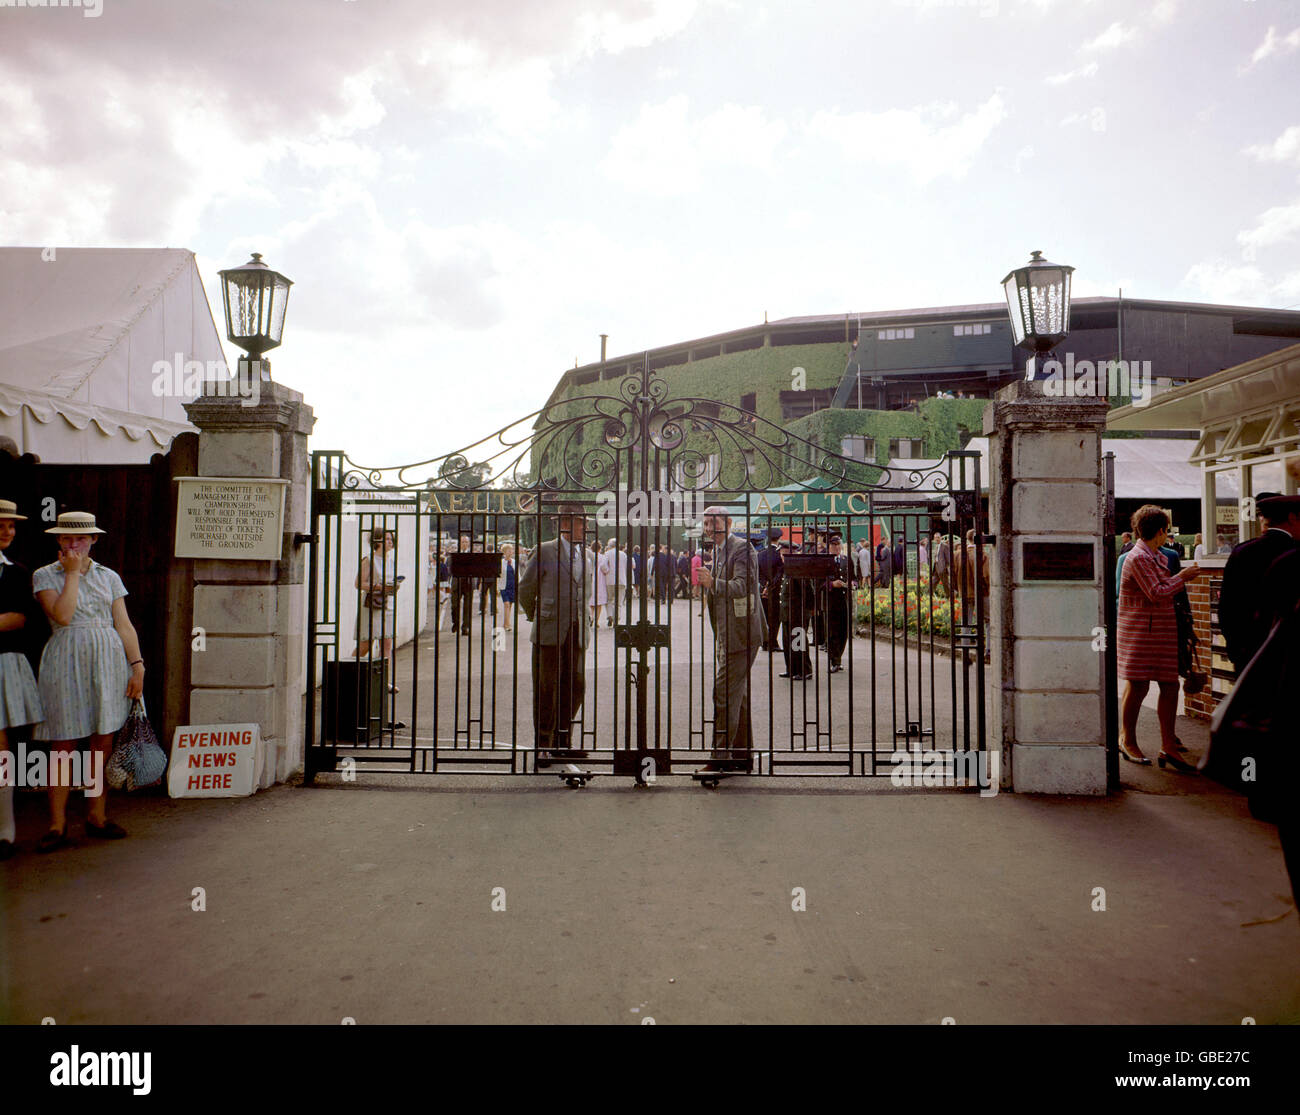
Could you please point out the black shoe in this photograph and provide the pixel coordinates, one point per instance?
(786, 675)
(53, 840)
(1176, 763)
(109, 830)
(7, 850)
(396, 726)
(836, 667)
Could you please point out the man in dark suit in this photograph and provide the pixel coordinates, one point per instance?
(462, 593)
(663, 572)
(798, 598)
(552, 593)
(1250, 598)
(838, 600)
(770, 571)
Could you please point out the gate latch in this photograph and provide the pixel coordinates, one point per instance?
(641, 636)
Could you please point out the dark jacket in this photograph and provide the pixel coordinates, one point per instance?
(1253, 745)
(16, 596)
(1248, 596)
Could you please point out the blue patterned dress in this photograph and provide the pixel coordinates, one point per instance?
(83, 672)
(20, 702)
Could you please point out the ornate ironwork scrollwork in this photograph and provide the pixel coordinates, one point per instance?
(592, 442)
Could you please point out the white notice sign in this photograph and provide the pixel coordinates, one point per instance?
(231, 517)
(213, 761)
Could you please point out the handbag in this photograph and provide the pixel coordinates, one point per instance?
(376, 598)
(137, 760)
(1194, 681)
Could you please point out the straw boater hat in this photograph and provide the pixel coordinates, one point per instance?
(9, 510)
(75, 522)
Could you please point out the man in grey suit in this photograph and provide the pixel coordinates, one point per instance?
(736, 615)
(552, 593)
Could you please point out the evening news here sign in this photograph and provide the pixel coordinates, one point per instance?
(213, 760)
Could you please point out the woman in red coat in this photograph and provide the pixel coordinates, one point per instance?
(1148, 636)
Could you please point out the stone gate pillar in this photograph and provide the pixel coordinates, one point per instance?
(253, 613)
(1046, 511)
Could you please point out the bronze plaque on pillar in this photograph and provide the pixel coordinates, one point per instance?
(1059, 561)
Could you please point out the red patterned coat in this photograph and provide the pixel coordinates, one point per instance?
(1148, 630)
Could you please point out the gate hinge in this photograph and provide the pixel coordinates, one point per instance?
(299, 538)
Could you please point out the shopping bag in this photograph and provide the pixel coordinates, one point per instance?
(137, 760)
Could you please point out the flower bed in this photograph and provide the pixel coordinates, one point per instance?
(918, 609)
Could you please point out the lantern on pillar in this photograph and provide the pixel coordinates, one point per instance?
(1038, 303)
(255, 298)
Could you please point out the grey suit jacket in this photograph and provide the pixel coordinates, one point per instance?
(735, 606)
(552, 594)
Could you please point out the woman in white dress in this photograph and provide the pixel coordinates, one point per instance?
(20, 703)
(91, 669)
(378, 581)
(599, 594)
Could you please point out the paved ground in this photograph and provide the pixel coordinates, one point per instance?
(374, 900)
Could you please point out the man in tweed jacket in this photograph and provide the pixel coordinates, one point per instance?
(736, 615)
(552, 593)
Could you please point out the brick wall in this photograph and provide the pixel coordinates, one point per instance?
(1204, 596)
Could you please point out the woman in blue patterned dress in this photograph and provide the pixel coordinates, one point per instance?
(91, 669)
(20, 703)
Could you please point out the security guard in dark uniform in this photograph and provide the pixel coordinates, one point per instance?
(771, 569)
(1251, 597)
(838, 599)
(798, 597)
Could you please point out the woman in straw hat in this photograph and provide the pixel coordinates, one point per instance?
(20, 703)
(91, 669)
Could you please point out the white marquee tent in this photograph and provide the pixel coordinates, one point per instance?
(79, 335)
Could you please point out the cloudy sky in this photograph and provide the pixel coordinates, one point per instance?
(468, 193)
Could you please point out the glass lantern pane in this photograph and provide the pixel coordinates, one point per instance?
(1015, 310)
(245, 307)
(279, 300)
(1045, 295)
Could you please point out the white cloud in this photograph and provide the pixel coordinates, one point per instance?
(1095, 118)
(1217, 281)
(1115, 35)
(1090, 70)
(511, 100)
(1273, 44)
(1274, 226)
(1284, 149)
(917, 139)
(614, 32)
(665, 152)
(1163, 12)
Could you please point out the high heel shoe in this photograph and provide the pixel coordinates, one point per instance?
(1141, 760)
(1167, 760)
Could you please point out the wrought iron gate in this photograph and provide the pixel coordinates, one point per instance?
(876, 666)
